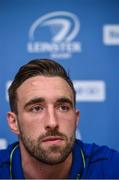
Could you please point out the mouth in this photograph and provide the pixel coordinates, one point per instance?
(53, 139)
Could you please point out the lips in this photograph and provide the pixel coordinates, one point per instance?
(52, 139)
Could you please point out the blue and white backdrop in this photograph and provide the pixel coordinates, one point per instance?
(81, 35)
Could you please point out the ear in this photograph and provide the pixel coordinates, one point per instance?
(77, 116)
(13, 122)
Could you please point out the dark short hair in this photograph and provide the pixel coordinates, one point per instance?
(45, 67)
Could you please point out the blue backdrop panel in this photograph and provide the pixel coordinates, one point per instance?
(81, 35)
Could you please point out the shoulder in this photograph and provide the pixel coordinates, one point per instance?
(5, 160)
(5, 153)
(100, 160)
(95, 152)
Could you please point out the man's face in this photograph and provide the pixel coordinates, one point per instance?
(46, 118)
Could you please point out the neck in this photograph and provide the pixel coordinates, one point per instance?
(34, 169)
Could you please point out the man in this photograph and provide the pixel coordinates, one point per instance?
(44, 117)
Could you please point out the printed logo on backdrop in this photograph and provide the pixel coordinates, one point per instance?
(3, 143)
(90, 90)
(8, 83)
(55, 33)
(111, 34)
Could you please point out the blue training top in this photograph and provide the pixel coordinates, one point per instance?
(89, 162)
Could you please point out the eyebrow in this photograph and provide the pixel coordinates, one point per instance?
(64, 100)
(34, 101)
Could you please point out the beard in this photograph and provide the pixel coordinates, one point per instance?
(51, 154)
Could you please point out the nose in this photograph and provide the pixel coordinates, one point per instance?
(51, 121)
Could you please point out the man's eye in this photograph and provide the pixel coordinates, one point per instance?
(64, 108)
(36, 108)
